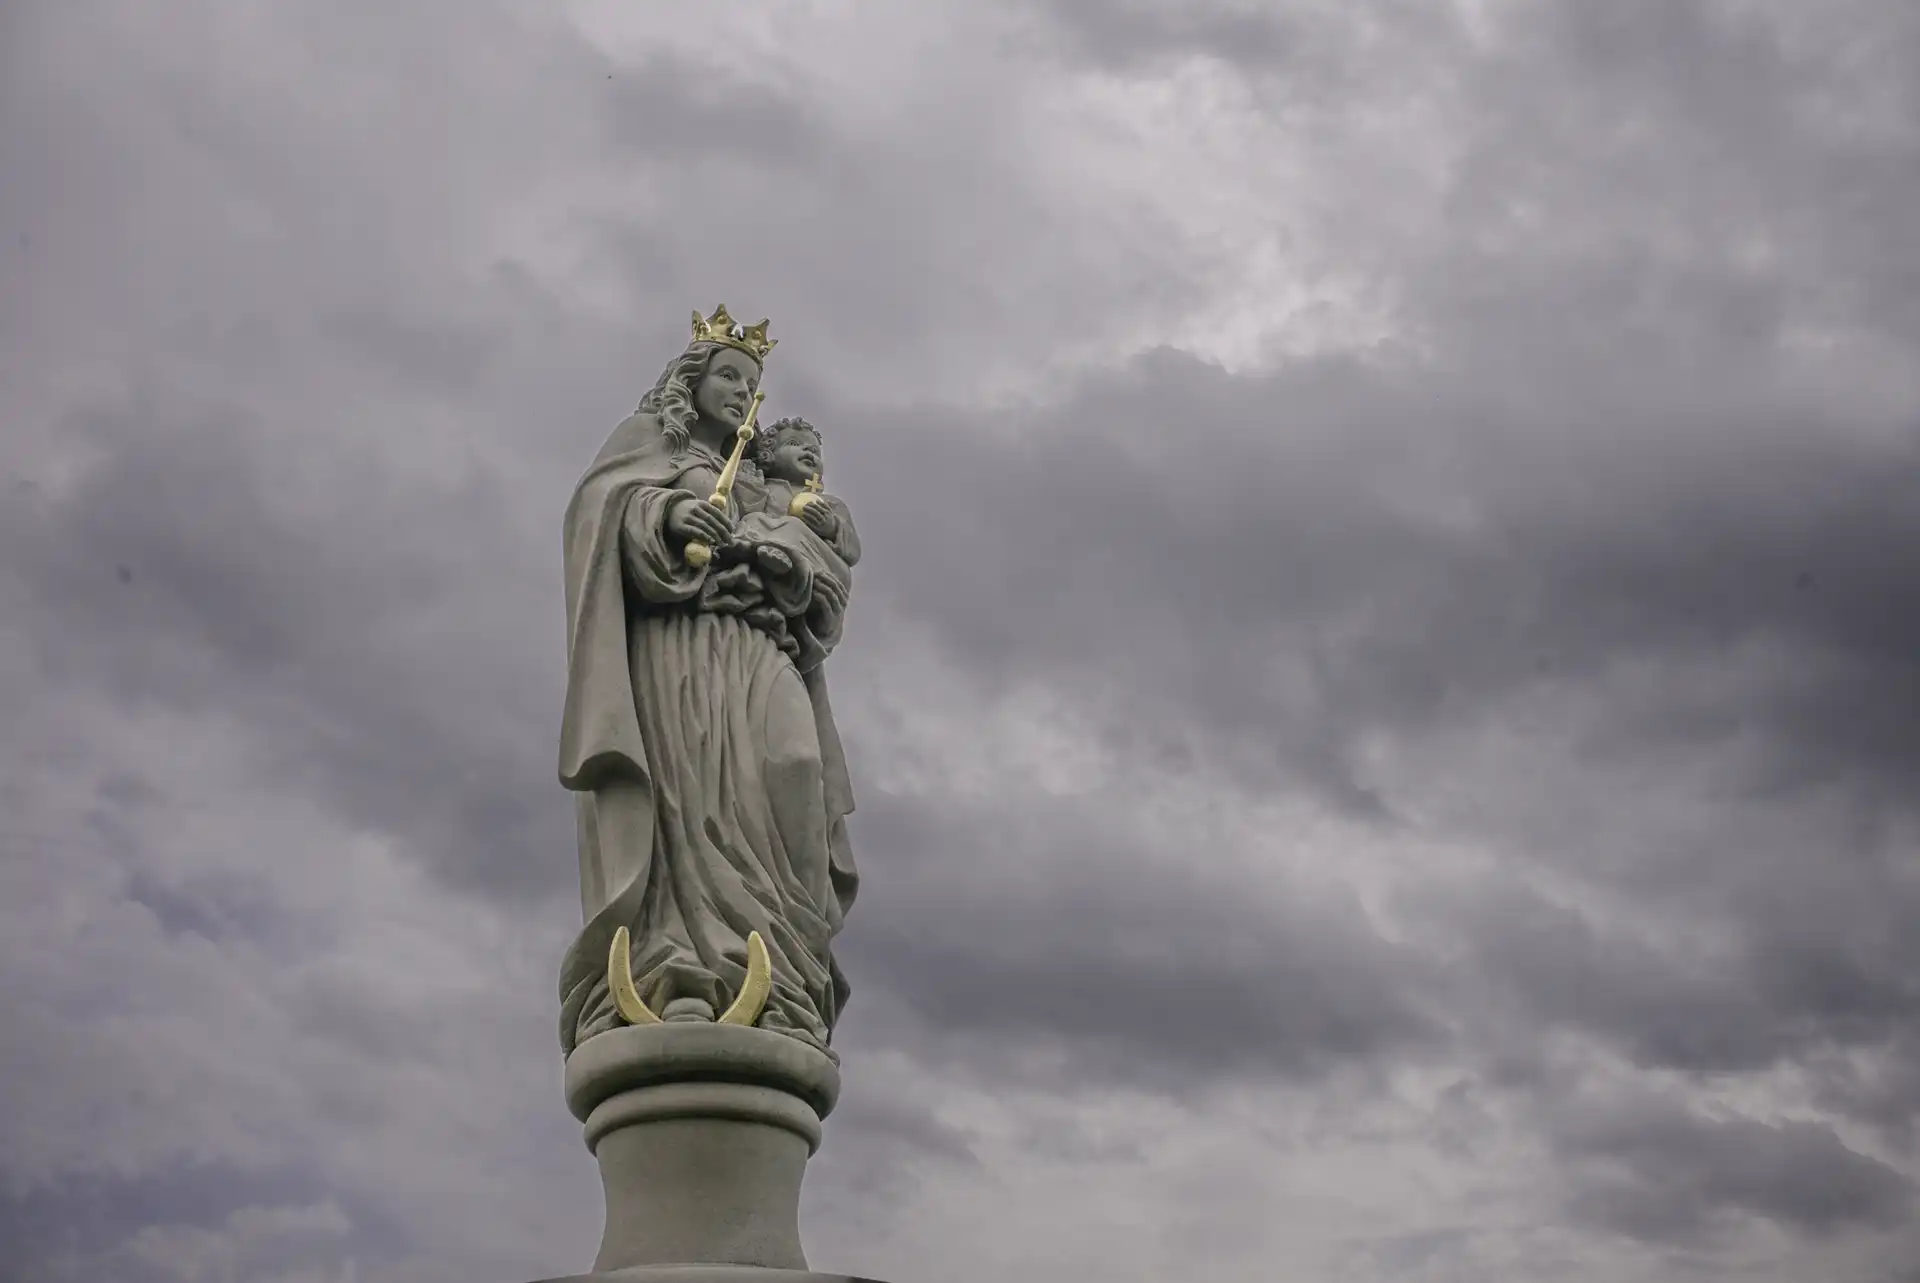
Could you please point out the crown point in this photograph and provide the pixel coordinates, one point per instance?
(722, 328)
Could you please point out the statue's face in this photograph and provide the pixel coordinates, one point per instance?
(796, 455)
(726, 389)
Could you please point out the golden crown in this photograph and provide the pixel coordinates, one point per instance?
(721, 328)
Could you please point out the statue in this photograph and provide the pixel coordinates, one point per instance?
(791, 459)
(707, 581)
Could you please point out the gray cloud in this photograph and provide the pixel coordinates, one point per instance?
(288, 1219)
(1171, 981)
(1573, 620)
(1668, 1176)
(1574, 558)
(173, 577)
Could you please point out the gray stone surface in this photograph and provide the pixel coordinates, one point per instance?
(707, 1274)
(712, 795)
(641, 1056)
(702, 1133)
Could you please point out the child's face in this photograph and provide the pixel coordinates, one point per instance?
(796, 455)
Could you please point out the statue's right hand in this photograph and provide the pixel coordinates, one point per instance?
(689, 519)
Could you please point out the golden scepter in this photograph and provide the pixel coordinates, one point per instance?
(699, 554)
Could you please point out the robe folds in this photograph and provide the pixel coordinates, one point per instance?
(698, 740)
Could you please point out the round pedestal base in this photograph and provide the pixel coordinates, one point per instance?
(707, 1274)
(702, 1132)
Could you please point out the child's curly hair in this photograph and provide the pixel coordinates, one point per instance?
(768, 438)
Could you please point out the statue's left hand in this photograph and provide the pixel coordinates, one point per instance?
(830, 592)
(821, 519)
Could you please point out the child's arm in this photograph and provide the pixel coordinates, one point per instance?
(828, 517)
(846, 540)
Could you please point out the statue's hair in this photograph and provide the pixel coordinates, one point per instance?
(767, 440)
(671, 398)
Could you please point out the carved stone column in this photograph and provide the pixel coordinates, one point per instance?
(702, 1132)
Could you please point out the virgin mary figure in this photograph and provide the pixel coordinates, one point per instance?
(697, 738)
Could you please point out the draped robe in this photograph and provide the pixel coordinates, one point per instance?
(697, 737)
(845, 540)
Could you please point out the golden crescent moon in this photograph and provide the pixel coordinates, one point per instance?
(626, 999)
(757, 988)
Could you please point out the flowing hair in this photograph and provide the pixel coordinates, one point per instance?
(671, 399)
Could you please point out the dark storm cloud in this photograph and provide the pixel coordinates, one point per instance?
(1664, 1174)
(885, 1138)
(1149, 532)
(167, 574)
(665, 109)
(1573, 564)
(1610, 439)
(1785, 986)
(1027, 926)
(1525, 515)
(1321, 51)
(93, 1210)
(909, 245)
(1127, 34)
(79, 1218)
(1883, 1092)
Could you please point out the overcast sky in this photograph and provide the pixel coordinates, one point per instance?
(1384, 692)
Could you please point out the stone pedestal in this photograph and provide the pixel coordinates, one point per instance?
(707, 1274)
(702, 1132)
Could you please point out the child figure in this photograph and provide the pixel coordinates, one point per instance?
(791, 461)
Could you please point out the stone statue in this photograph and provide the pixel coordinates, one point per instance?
(791, 460)
(707, 580)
